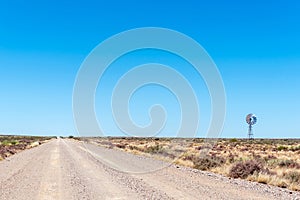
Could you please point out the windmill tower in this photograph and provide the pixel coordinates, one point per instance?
(251, 119)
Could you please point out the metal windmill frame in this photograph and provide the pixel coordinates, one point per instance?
(251, 119)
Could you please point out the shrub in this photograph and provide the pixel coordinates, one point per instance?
(186, 156)
(282, 148)
(295, 148)
(134, 148)
(270, 157)
(282, 184)
(71, 136)
(203, 147)
(231, 158)
(121, 146)
(207, 162)
(198, 140)
(218, 148)
(14, 142)
(263, 178)
(244, 169)
(289, 164)
(154, 149)
(292, 176)
(5, 143)
(233, 140)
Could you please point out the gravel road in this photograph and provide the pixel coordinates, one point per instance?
(67, 169)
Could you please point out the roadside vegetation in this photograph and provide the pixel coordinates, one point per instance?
(10, 145)
(267, 161)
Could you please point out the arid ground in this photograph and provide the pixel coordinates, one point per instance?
(100, 168)
(267, 161)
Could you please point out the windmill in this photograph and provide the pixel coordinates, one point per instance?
(251, 119)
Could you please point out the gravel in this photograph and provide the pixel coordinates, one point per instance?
(69, 169)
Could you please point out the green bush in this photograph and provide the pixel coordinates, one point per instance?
(233, 140)
(6, 143)
(282, 148)
(296, 148)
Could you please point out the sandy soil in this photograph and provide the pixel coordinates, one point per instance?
(68, 169)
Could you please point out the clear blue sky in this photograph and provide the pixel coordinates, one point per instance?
(255, 44)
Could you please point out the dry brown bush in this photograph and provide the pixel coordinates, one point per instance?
(207, 162)
(244, 169)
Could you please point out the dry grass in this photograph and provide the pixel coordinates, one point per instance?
(267, 161)
(10, 145)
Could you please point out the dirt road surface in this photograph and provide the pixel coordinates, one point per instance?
(67, 169)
